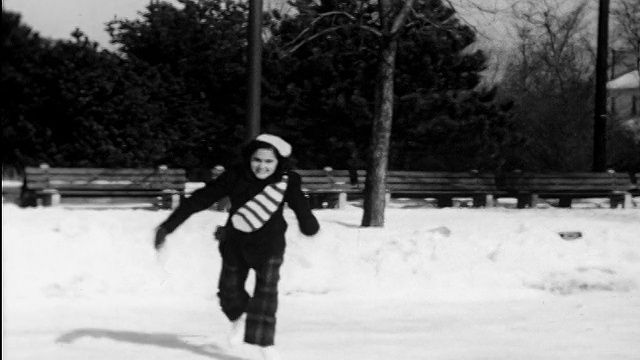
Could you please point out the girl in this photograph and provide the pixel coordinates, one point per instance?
(253, 237)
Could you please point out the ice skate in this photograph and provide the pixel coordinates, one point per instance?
(236, 335)
(270, 353)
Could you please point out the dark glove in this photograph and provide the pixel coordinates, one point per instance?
(309, 225)
(220, 233)
(161, 236)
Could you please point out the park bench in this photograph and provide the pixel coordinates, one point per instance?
(48, 186)
(528, 188)
(330, 188)
(443, 186)
(635, 188)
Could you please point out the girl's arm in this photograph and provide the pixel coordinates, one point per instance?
(300, 206)
(199, 200)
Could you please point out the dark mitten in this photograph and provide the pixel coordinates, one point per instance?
(220, 233)
(309, 225)
(161, 236)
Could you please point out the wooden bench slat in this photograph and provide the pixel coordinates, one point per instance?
(324, 182)
(535, 182)
(63, 180)
(67, 177)
(320, 172)
(101, 184)
(101, 171)
(436, 182)
(118, 193)
(431, 173)
(105, 187)
(569, 175)
(461, 191)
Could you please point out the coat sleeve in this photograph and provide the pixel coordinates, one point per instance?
(300, 205)
(199, 200)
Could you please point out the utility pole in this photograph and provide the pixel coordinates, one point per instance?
(600, 116)
(254, 99)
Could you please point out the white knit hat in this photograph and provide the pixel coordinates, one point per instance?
(283, 147)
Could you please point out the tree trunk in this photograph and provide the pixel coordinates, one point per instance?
(375, 186)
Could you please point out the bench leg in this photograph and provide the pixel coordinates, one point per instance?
(565, 202)
(524, 200)
(50, 197)
(535, 200)
(342, 201)
(479, 201)
(445, 201)
(628, 201)
(621, 200)
(483, 200)
(169, 200)
(489, 200)
(329, 201)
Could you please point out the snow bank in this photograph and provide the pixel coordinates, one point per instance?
(434, 254)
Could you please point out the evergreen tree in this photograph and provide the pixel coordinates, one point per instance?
(204, 44)
(72, 105)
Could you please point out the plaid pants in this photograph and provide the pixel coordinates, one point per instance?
(261, 307)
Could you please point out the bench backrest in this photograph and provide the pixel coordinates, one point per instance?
(325, 180)
(38, 178)
(422, 181)
(471, 181)
(566, 182)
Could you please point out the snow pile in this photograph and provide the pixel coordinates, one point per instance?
(436, 254)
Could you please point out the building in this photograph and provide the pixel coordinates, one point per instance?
(624, 100)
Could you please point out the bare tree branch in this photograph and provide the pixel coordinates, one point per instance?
(295, 47)
(314, 22)
(401, 17)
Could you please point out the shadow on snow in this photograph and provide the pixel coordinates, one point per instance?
(166, 340)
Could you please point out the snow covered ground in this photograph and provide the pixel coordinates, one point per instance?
(453, 283)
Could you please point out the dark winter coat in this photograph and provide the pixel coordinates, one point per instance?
(240, 185)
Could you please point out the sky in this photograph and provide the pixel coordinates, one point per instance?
(491, 19)
(59, 18)
(82, 282)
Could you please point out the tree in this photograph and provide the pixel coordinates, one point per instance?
(382, 23)
(626, 33)
(72, 105)
(551, 82)
(174, 93)
(21, 49)
(203, 43)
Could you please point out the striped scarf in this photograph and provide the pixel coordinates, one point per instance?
(256, 212)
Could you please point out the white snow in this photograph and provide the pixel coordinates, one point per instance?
(455, 283)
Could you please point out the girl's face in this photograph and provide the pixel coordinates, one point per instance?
(263, 163)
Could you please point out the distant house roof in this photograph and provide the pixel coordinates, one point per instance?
(628, 83)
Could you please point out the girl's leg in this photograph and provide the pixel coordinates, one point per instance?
(233, 296)
(261, 312)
